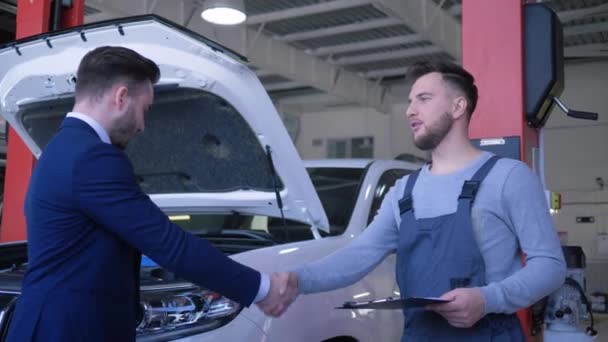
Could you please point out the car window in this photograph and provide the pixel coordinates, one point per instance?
(386, 181)
(338, 189)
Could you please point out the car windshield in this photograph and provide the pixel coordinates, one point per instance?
(337, 189)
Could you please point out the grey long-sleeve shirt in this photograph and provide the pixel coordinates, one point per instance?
(510, 215)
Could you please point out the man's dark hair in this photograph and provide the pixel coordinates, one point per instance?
(453, 74)
(103, 67)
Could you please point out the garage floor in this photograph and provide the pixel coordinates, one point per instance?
(601, 323)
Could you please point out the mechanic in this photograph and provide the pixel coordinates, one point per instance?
(458, 226)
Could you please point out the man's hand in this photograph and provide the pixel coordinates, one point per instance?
(283, 291)
(465, 308)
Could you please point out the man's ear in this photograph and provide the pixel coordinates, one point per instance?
(459, 107)
(120, 96)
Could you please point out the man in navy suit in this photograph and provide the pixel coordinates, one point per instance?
(88, 220)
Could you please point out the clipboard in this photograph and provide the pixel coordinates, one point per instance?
(391, 303)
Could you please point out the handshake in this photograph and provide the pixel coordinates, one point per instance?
(283, 291)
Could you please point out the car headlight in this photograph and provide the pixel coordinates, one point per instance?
(174, 314)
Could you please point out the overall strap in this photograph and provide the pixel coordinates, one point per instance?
(470, 187)
(405, 203)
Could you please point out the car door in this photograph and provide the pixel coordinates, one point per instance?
(385, 183)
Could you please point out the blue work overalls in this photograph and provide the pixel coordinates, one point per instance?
(436, 255)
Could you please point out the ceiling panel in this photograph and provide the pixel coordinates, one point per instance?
(387, 32)
(356, 38)
(324, 20)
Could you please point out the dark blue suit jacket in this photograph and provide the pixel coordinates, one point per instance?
(87, 222)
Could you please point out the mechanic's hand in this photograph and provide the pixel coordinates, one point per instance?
(465, 308)
(283, 291)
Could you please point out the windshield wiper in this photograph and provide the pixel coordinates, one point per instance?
(276, 190)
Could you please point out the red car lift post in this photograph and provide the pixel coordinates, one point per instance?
(493, 51)
(33, 17)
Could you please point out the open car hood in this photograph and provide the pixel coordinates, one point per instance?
(208, 136)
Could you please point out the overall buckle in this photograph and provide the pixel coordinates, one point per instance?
(469, 189)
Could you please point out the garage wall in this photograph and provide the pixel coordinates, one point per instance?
(576, 153)
(390, 131)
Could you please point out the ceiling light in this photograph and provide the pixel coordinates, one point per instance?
(224, 12)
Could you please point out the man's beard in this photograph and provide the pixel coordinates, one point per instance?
(123, 130)
(435, 133)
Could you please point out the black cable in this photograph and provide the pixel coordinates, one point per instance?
(56, 23)
(570, 281)
(276, 191)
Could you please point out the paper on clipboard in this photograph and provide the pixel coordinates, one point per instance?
(393, 303)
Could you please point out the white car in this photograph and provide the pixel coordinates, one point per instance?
(217, 159)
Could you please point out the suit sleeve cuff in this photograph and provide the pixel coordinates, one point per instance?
(264, 287)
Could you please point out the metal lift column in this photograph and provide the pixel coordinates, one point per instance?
(492, 45)
(33, 17)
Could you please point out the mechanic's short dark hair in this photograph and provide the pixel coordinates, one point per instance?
(103, 67)
(453, 74)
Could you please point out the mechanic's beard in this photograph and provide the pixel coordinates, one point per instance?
(435, 133)
(124, 130)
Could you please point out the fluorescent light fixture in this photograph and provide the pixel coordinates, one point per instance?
(224, 12)
(361, 295)
(179, 217)
(289, 250)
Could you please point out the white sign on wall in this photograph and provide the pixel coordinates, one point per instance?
(602, 244)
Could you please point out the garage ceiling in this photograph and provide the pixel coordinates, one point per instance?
(345, 51)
